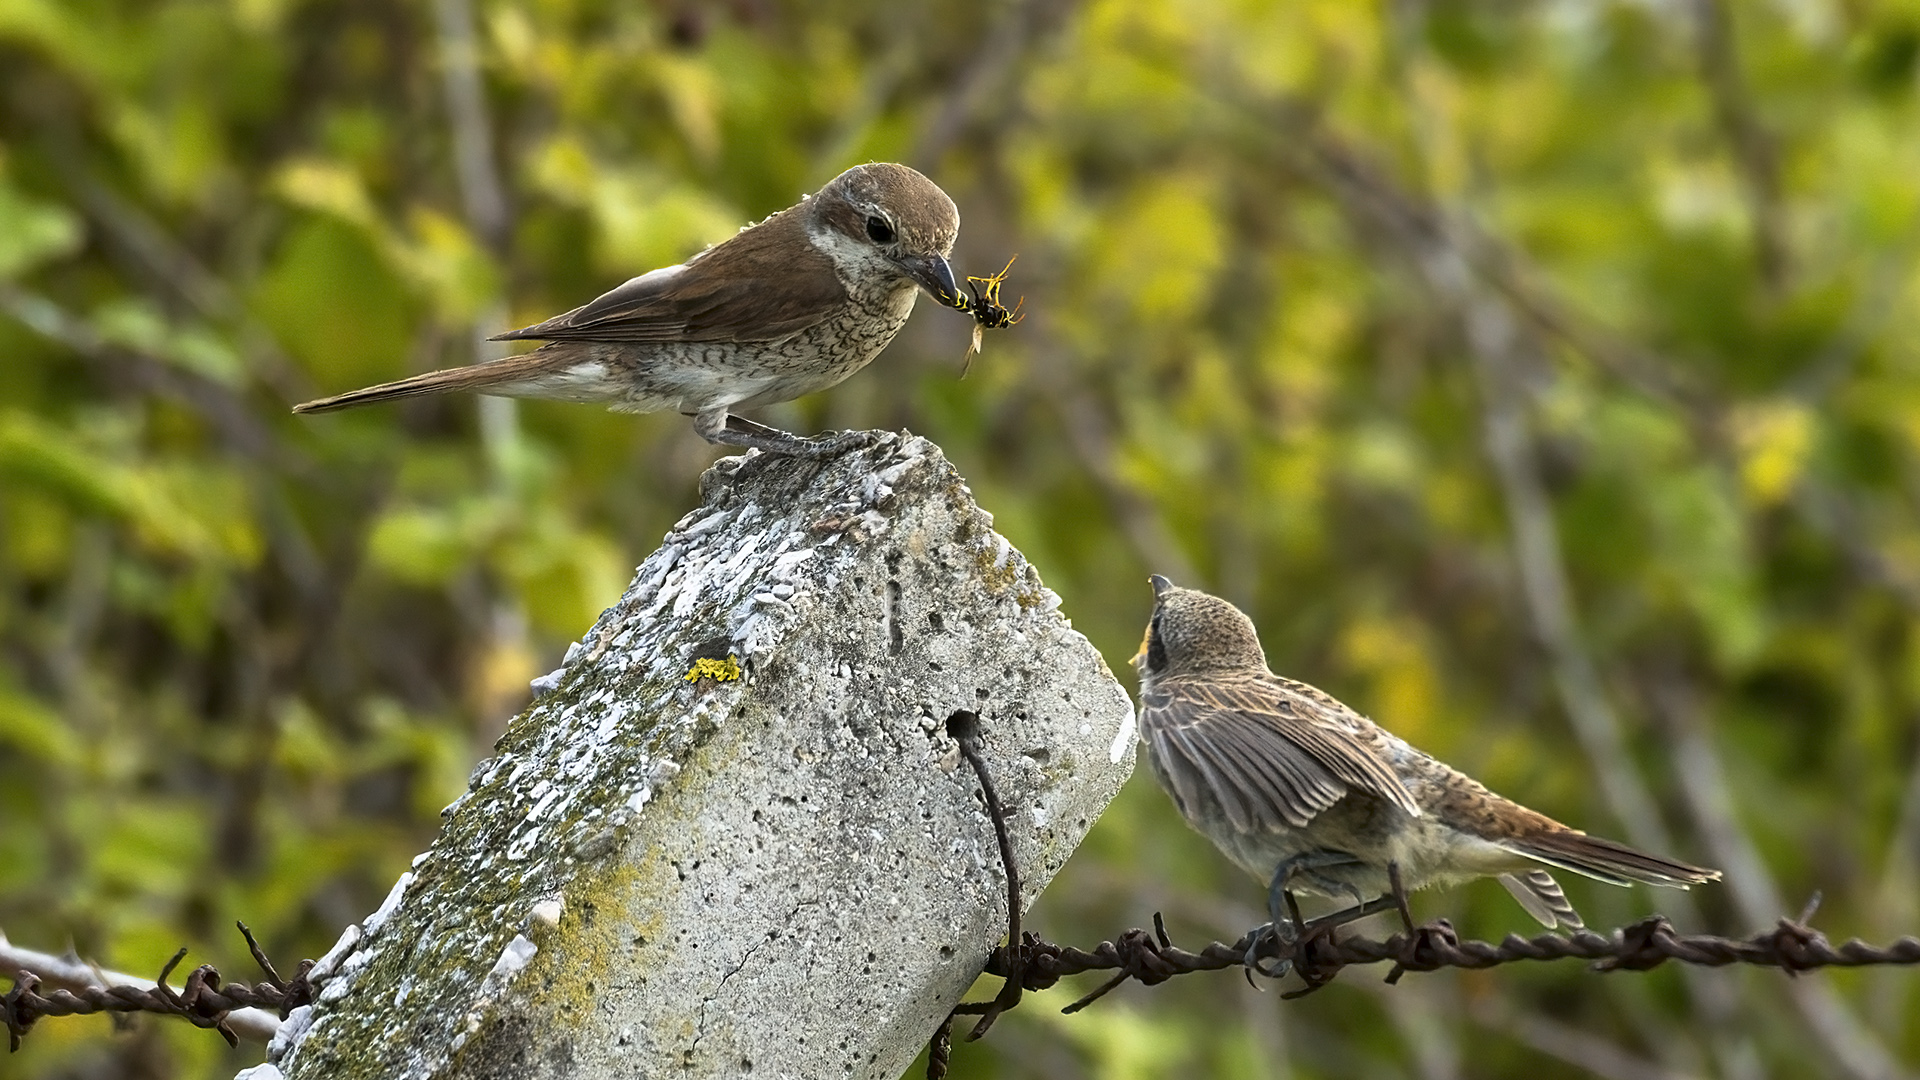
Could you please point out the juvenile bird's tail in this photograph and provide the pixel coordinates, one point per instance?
(1604, 860)
(1541, 896)
(495, 376)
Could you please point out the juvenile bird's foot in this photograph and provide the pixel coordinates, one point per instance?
(1267, 949)
(1285, 928)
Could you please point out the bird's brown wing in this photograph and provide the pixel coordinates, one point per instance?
(1265, 760)
(766, 283)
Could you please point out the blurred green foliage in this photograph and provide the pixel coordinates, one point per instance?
(1269, 251)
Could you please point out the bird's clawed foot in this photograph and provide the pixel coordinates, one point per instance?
(1271, 947)
(1269, 950)
(827, 444)
(723, 429)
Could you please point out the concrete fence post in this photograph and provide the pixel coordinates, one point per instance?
(787, 873)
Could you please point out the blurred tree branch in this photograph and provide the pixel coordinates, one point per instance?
(1754, 150)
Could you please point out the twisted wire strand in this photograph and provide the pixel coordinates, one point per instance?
(1319, 957)
(1152, 958)
(204, 1000)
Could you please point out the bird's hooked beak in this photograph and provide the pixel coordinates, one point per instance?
(933, 274)
(1160, 584)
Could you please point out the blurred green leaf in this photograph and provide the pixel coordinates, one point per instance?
(32, 728)
(33, 232)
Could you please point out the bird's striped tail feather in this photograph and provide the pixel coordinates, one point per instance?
(1541, 896)
(470, 379)
(1605, 860)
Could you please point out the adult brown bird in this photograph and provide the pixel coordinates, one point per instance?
(1308, 795)
(788, 306)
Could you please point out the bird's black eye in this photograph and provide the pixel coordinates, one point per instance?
(878, 230)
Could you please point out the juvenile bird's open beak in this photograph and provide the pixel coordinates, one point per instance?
(1160, 585)
(934, 275)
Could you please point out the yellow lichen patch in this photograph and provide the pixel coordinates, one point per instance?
(618, 909)
(727, 670)
(597, 927)
(995, 568)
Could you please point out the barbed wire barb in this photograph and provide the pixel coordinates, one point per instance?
(203, 1000)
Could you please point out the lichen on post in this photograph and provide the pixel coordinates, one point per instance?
(732, 833)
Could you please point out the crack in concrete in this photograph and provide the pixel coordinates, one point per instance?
(700, 1031)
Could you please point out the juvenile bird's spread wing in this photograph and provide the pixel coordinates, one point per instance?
(1269, 758)
(766, 283)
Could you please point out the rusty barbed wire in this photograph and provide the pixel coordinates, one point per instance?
(1034, 964)
(203, 1000)
(1152, 958)
(1319, 957)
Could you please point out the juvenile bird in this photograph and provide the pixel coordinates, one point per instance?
(785, 307)
(1308, 795)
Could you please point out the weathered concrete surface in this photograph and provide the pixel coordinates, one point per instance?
(787, 875)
